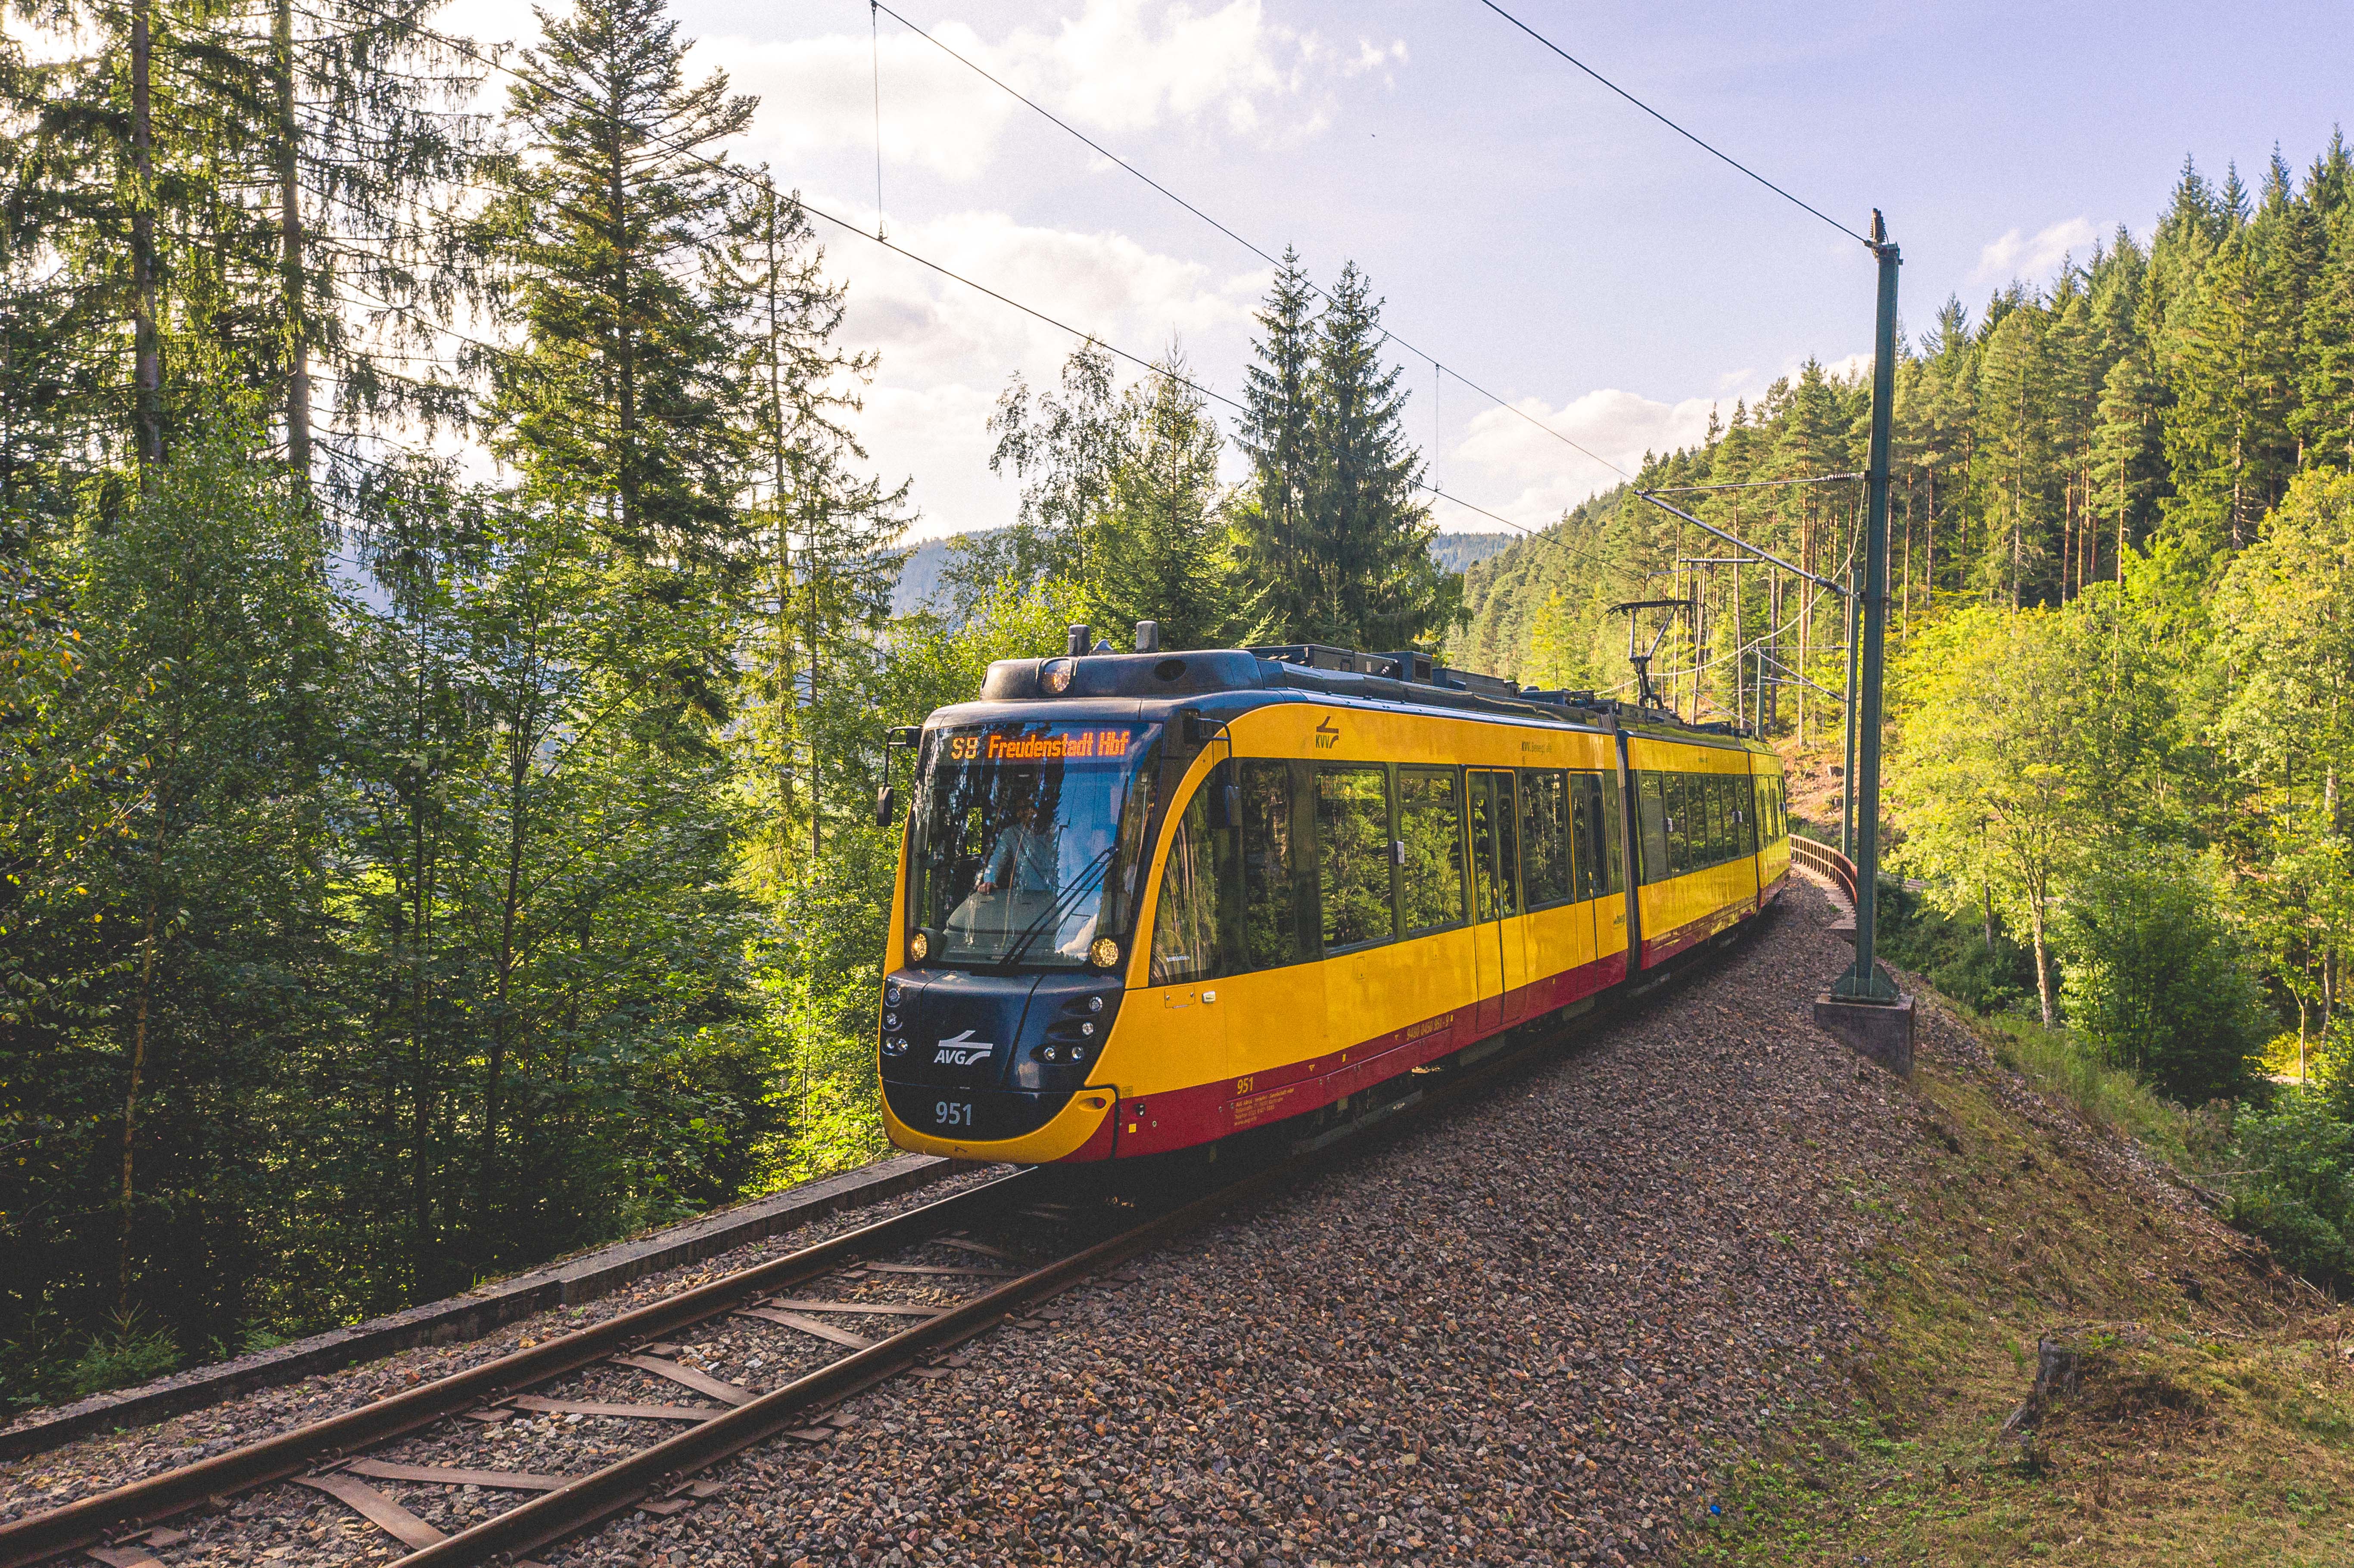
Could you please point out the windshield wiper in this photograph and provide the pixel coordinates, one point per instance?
(1092, 871)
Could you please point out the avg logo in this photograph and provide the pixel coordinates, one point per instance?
(1327, 734)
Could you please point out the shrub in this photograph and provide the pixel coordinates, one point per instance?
(1952, 954)
(132, 1353)
(2295, 1186)
(2155, 980)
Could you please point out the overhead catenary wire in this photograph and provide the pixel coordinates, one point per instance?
(1713, 152)
(1107, 154)
(760, 181)
(1754, 483)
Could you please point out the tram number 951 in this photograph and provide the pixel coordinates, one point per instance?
(952, 1113)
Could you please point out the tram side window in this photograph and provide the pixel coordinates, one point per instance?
(1270, 935)
(1724, 835)
(1586, 830)
(1612, 876)
(1353, 855)
(1430, 825)
(1189, 928)
(1744, 796)
(1781, 807)
(1679, 823)
(1546, 864)
(1651, 805)
(1495, 849)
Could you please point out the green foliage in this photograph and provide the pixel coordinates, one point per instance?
(2057, 1062)
(2155, 982)
(2295, 1186)
(610, 232)
(1337, 537)
(132, 1351)
(2026, 737)
(1164, 549)
(1975, 963)
(1122, 501)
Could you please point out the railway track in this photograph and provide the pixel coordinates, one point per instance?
(926, 1277)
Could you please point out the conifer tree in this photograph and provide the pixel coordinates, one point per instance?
(1364, 538)
(609, 225)
(1279, 393)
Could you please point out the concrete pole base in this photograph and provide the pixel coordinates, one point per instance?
(1880, 1030)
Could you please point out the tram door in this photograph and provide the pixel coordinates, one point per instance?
(1495, 886)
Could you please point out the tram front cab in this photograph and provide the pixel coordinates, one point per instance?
(1026, 855)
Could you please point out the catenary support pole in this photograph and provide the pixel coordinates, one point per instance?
(1863, 980)
(1847, 719)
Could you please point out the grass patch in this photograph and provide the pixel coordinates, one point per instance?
(2211, 1420)
(2060, 1066)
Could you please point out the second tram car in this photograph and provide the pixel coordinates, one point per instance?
(1150, 900)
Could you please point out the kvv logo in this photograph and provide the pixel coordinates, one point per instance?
(962, 1050)
(1328, 733)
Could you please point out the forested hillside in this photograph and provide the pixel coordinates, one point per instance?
(407, 875)
(404, 876)
(2122, 700)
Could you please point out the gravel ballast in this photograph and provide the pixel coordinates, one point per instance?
(1530, 1329)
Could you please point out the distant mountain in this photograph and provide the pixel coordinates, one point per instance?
(1461, 552)
(921, 576)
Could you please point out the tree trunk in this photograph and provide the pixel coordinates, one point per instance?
(420, 1120)
(130, 1097)
(290, 257)
(518, 778)
(2042, 958)
(147, 352)
(624, 340)
(779, 500)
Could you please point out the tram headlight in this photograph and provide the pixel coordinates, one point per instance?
(919, 947)
(891, 994)
(1054, 676)
(1105, 953)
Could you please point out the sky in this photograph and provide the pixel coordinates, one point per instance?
(1529, 231)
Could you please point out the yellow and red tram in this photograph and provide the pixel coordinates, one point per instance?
(1150, 900)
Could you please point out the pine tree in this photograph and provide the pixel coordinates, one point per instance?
(2228, 448)
(2129, 451)
(1364, 539)
(609, 225)
(1279, 394)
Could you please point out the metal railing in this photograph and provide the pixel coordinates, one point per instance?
(1827, 863)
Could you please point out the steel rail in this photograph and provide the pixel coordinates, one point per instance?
(580, 1504)
(147, 1501)
(555, 1516)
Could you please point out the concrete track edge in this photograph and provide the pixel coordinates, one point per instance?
(479, 1311)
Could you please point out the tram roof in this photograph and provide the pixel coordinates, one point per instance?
(1407, 679)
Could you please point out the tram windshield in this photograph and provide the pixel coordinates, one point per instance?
(1027, 838)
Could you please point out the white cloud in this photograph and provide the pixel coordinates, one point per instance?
(2015, 256)
(947, 351)
(1119, 65)
(1535, 477)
